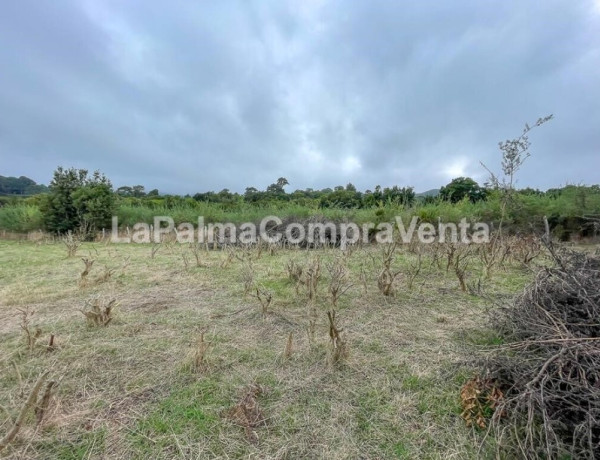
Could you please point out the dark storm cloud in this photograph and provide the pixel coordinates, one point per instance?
(188, 96)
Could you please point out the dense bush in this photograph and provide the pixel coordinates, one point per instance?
(20, 218)
(77, 202)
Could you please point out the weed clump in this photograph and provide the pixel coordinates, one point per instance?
(247, 412)
(294, 270)
(100, 313)
(72, 243)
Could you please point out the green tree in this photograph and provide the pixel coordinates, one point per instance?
(340, 198)
(138, 191)
(125, 191)
(277, 189)
(404, 195)
(460, 188)
(77, 202)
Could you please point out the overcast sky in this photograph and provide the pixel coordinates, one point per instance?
(195, 96)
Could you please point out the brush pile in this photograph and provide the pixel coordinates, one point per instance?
(549, 366)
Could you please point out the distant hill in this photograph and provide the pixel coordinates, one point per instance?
(20, 186)
(432, 192)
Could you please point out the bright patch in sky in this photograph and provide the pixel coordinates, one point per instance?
(351, 164)
(456, 168)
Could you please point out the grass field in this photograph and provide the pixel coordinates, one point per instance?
(131, 389)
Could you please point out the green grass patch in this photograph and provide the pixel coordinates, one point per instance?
(191, 409)
(82, 445)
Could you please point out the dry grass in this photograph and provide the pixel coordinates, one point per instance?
(127, 392)
(29, 404)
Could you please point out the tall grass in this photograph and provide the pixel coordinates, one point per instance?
(213, 212)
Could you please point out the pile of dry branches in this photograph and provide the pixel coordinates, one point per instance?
(549, 366)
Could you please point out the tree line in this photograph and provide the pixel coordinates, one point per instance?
(81, 202)
(341, 197)
(20, 186)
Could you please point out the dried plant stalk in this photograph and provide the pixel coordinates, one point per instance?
(84, 274)
(294, 270)
(462, 255)
(364, 278)
(196, 249)
(42, 406)
(414, 268)
(31, 335)
(72, 243)
(339, 283)
(312, 276)
(226, 262)
(31, 400)
(200, 353)
(154, 249)
(387, 276)
(339, 348)
(287, 353)
(51, 343)
(265, 297)
(247, 277)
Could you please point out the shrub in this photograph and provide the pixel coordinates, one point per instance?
(20, 218)
(78, 203)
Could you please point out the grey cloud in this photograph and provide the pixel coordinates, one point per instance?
(189, 97)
